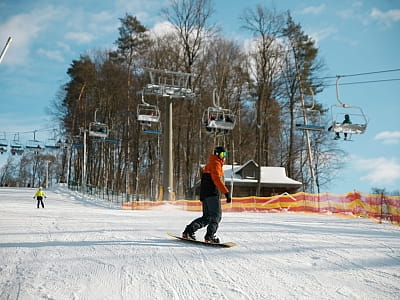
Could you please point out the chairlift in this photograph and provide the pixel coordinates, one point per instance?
(147, 113)
(98, 129)
(151, 128)
(217, 120)
(77, 141)
(34, 145)
(112, 140)
(355, 114)
(3, 144)
(168, 84)
(16, 146)
(309, 118)
(53, 143)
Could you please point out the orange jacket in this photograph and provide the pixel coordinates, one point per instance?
(214, 168)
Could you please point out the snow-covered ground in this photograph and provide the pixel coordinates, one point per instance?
(76, 249)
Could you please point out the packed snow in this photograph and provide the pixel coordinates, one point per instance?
(83, 248)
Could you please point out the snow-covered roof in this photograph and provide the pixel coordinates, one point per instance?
(270, 176)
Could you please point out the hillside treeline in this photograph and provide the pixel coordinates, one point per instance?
(263, 80)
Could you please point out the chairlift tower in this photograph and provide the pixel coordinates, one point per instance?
(170, 86)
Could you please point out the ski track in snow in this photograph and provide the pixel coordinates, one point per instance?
(82, 248)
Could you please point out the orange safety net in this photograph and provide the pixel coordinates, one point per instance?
(379, 207)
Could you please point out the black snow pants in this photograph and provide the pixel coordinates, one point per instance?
(40, 201)
(211, 216)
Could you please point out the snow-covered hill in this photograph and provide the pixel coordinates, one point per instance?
(76, 249)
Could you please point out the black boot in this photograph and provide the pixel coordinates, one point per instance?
(188, 234)
(211, 238)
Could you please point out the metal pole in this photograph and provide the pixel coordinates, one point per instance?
(69, 155)
(309, 152)
(3, 52)
(84, 162)
(168, 181)
(47, 174)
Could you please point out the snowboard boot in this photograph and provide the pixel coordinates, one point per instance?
(211, 239)
(188, 234)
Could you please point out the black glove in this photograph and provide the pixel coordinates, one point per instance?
(228, 198)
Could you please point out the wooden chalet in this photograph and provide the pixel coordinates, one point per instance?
(244, 177)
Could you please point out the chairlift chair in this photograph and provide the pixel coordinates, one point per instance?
(3, 144)
(34, 145)
(357, 116)
(77, 141)
(52, 144)
(151, 130)
(309, 118)
(148, 113)
(98, 129)
(149, 117)
(16, 146)
(168, 84)
(217, 120)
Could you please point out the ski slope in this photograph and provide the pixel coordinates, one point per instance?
(78, 248)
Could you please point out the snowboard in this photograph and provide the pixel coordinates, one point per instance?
(219, 245)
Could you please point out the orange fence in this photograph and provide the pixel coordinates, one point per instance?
(379, 207)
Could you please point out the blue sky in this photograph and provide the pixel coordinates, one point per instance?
(353, 37)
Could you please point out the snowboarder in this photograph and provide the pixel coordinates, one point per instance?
(39, 196)
(211, 182)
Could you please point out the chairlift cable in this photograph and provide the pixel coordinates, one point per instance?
(370, 73)
(361, 74)
(364, 82)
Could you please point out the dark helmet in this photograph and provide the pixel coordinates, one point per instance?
(220, 151)
(346, 116)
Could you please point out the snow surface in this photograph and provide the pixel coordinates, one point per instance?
(77, 248)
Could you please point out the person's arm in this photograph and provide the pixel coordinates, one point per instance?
(216, 178)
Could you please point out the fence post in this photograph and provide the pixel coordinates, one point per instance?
(380, 219)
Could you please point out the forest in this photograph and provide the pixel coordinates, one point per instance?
(267, 83)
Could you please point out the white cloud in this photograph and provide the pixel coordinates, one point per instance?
(79, 37)
(355, 12)
(313, 10)
(51, 54)
(389, 137)
(162, 28)
(388, 17)
(24, 30)
(380, 170)
(103, 22)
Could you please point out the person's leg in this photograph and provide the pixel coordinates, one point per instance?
(214, 215)
(197, 223)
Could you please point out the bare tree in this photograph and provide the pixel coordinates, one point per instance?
(266, 26)
(190, 19)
